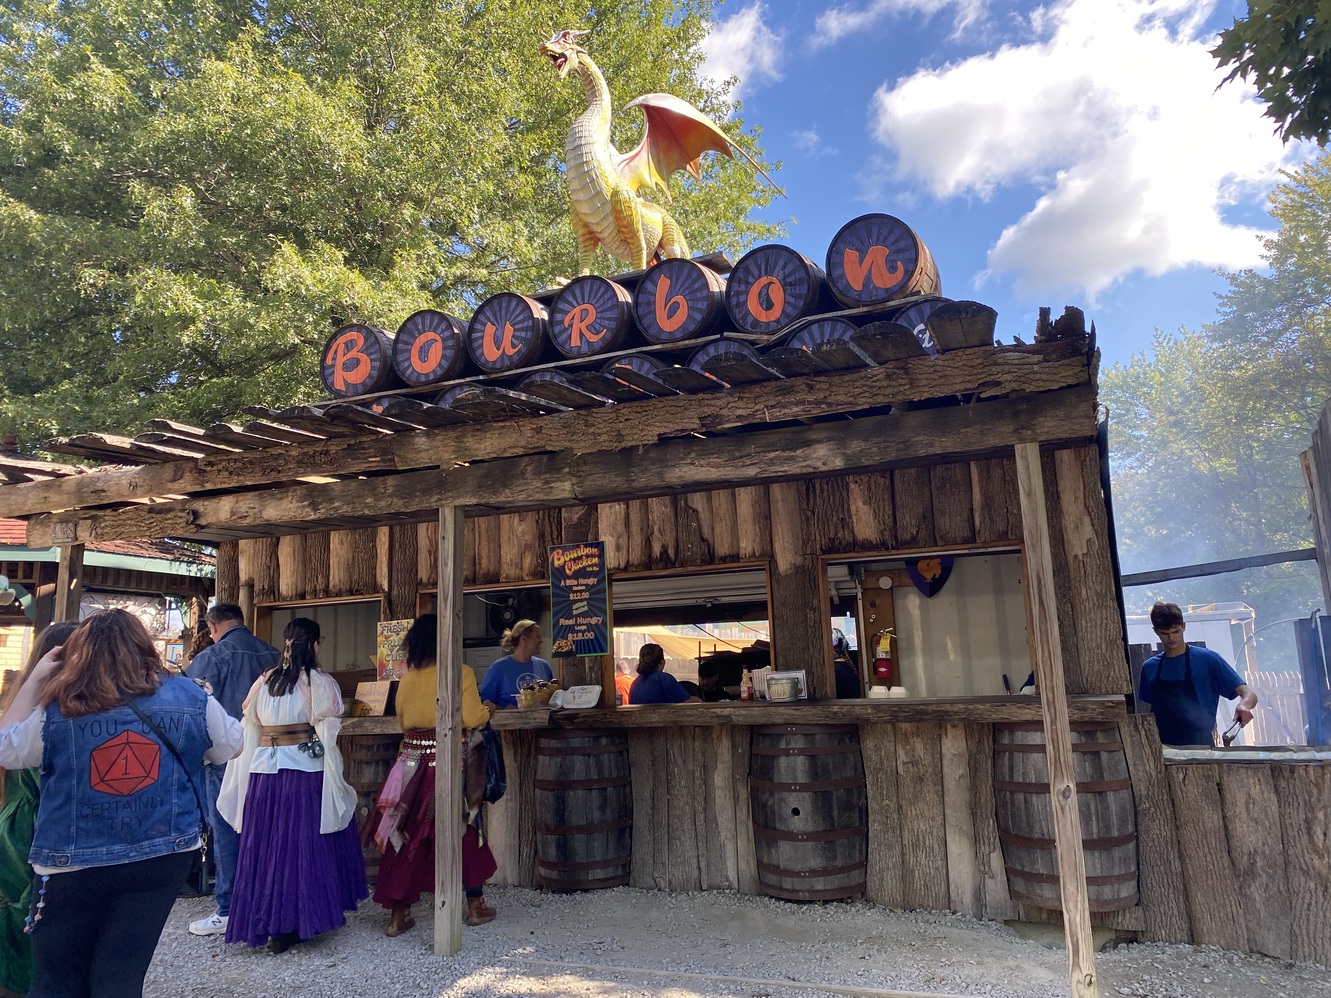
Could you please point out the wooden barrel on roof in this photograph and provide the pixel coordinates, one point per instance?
(720, 352)
(430, 347)
(357, 360)
(773, 286)
(1026, 814)
(877, 258)
(678, 300)
(592, 315)
(509, 331)
(915, 317)
(584, 809)
(810, 811)
(815, 334)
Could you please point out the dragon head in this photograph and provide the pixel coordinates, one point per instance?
(564, 51)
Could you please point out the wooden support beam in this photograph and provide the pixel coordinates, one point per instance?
(1048, 660)
(1000, 371)
(570, 478)
(448, 802)
(69, 583)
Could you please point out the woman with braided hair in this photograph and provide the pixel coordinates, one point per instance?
(300, 866)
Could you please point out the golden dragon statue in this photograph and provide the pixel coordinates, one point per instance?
(604, 183)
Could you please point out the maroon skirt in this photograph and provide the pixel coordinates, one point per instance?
(407, 873)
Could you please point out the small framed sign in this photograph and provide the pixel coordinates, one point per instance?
(579, 599)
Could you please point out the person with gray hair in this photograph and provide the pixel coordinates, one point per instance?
(229, 667)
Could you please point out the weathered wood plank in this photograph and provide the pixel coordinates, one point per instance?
(746, 856)
(684, 845)
(878, 748)
(1248, 800)
(489, 550)
(1159, 859)
(872, 520)
(963, 875)
(924, 880)
(661, 804)
(427, 552)
(1047, 653)
(954, 518)
(264, 569)
(1214, 907)
(827, 513)
(402, 565)
(339, 563)
(725, 526)
(995, 900)
(754, 514)
(1003, 371)
(69, 583)
(662, 532)
(718, 767)
(693, 528)
(512, 546)
(1304, 793)
(639, 535)
(228, 572)
(994, 497)
(365, 560)
(579, 523)
(318, 564)
(666, 468)
(382, 557)
(798, 639)
(1092, 586)
(291, 566)
(645, 770)
(612, 519)
(912, 503)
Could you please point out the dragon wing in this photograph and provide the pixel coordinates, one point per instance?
(676, 136)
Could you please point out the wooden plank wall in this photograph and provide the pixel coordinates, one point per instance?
(1233, 855)
(787, 525)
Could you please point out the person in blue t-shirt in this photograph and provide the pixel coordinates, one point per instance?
(653, 685)
(1184, 685)
(521, 641)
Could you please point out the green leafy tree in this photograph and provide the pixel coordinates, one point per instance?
(1284, 48)
(1206, 430)
(195, 193)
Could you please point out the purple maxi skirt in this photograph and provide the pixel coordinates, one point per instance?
(289, 877)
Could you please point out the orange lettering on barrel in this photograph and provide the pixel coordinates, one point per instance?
(493, 349)
(671, 313)
(579, 322)
(776, 294)
(875, 261)
(348, 360)
(427, 352)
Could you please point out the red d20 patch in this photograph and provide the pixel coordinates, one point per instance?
(125, 763)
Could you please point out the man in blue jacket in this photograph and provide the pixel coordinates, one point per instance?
(1184, 684)
(236, 659)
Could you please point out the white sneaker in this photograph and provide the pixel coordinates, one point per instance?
(213, 925)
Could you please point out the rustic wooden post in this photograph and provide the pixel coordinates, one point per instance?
(69, 583)
(448, 740)
(1048, 660)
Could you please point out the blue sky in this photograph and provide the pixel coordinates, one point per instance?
(1076, 153)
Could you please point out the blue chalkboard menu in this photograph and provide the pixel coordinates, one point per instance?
(579, 599)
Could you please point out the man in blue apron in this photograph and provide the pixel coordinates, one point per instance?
(1184, 685)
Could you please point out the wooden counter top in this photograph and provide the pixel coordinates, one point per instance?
(974, 709)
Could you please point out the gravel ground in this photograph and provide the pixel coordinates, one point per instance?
(646, 944)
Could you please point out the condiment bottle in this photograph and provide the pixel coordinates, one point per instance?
(746, 686)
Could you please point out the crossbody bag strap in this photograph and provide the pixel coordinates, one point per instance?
(184, 768)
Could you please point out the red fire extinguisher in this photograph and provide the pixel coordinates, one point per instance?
(882, 660)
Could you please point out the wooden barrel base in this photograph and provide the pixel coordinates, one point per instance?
(584, 810)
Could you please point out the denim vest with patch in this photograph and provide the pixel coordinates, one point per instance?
(111, 791)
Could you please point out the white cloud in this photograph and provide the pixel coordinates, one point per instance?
(1111, 112)
(836, 23)
(745, 47)
(809, 142)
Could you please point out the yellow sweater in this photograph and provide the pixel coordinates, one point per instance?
(417, 694)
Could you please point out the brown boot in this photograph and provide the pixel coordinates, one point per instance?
(399, 922)
(478, 912)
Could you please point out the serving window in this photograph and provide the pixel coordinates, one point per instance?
(349, 630)
(958, 620)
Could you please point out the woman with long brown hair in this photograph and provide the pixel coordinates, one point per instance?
(121, 744)
(18, 814)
